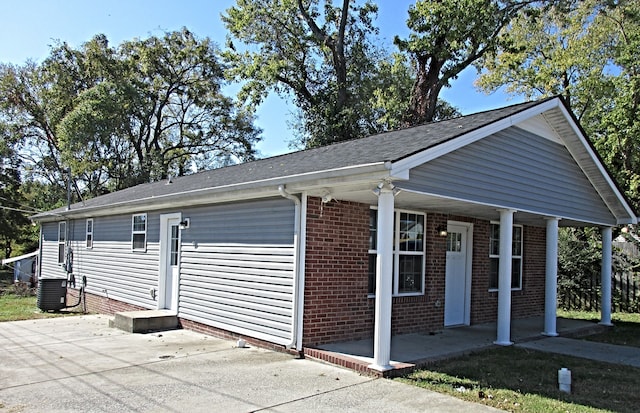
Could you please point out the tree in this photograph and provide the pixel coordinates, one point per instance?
(12, 211)
(320, 55)
(447, 37)
(121, 116)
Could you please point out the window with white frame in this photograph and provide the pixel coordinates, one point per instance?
(494, 256)
(89, 233)
(408, 252)
(62, 240)
(139, 232)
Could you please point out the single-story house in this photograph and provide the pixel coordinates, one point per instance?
(24, 267)
(444, 224)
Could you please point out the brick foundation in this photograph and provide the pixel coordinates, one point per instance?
(102, 305)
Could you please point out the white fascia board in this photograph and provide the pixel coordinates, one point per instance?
(603, 172)
(471, 137)
(20, 257)
(225, 193)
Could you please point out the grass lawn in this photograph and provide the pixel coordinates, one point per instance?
(521, 380)
(20, 303)
(626, 330)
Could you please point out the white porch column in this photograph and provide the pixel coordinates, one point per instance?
(551, 278)
(605, 312)
(504, 278)
(384, 280)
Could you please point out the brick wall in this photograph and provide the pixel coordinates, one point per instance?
(524, 303)
(336, 304)
(336, 307)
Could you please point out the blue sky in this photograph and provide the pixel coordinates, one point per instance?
(29, 27)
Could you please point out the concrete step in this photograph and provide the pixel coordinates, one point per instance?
(145, 321)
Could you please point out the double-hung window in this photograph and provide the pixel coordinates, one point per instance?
(89, 233)
(494, 256)
(139, 232)
(62, 240)
(408, 252)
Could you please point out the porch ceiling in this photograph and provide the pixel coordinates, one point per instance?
(436, 204)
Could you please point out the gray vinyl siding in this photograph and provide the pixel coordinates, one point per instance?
(112, 269)
(268, 221)
(236, 264)
(516, 169)
(237, 268)
(49, 265)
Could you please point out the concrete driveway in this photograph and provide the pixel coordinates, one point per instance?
(75, 364)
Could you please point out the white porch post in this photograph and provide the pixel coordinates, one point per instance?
(504, 278)
(605, 312)
(384, 280)
(551, 278)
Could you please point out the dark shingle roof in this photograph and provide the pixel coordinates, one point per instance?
(388, 146)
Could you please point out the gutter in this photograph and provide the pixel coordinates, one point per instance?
(298, 268)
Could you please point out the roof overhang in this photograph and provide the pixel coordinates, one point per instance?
(357, 175)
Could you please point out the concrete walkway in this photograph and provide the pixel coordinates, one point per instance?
(609, 353)
(78, 364)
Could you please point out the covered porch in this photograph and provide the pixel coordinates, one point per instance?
(410, 351)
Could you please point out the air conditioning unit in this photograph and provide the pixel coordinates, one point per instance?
(52, 294)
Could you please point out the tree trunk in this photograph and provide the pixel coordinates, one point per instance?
(426, 89)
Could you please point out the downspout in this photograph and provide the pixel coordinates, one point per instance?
(298, 278)
(40, 247)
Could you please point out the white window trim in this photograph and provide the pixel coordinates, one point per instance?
(62, 230)
(134, 232)
(397, 253)
(88, 234)
(513, 256)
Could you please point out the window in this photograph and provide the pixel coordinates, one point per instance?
(408, 252)
(62, 237)
(175, 243)
(139, 232)
(494, 257)
(89, 237)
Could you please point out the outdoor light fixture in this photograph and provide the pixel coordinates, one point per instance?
(185, 223)
(442, 231)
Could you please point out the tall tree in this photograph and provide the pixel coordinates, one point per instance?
(316, 52)
(12, 211)
(447, 37)
(120, 116)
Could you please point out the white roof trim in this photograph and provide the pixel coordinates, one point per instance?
(603, 172)
(20, 257)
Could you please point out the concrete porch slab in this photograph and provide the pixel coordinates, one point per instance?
(409, 351)
(145, 321)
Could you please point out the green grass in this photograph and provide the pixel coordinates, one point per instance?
(625, 332)
(17, 302)
(521, 380)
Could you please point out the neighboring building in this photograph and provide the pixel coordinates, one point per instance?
(24, 267)
(444, 224)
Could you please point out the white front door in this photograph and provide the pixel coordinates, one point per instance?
(170, 262)
(457, 294)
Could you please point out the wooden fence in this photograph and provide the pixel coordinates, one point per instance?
(625, 294)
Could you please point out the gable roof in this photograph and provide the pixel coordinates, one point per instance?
(396, 151)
